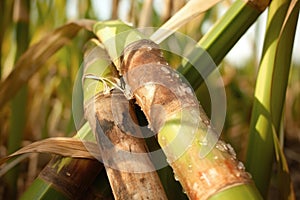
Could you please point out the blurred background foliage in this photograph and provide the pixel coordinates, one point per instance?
(47, 104)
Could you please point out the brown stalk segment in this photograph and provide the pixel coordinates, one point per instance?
(73, 178)
(142, 66)
(117, 128)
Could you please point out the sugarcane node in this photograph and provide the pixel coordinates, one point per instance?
(156, 87)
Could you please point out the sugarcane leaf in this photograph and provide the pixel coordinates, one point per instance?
(294, 6)
(191, 10)
(270, 91)
(33, 59)
(70, 147)
(282, 63)
(286, 36)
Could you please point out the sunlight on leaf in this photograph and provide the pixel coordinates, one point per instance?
(191, 10)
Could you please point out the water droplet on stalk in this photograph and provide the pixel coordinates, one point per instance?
(231, 150)
(221, 146)
(190, 167)
(176, 177)
(188, 90)
(168, 161)
(240, 166)
(203, 142)
(166, 70)
(195, 186)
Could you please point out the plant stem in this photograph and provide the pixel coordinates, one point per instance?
(270, 92)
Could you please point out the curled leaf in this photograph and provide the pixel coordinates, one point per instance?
(63, 146)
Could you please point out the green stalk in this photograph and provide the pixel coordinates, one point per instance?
(18, 103)
(64, 177)
(221, 38)
(270, 91)
(201, 177)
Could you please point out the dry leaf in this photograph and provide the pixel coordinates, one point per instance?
(63, 146)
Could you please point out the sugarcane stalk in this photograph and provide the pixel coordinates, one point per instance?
(172, 113)
(130, 176)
